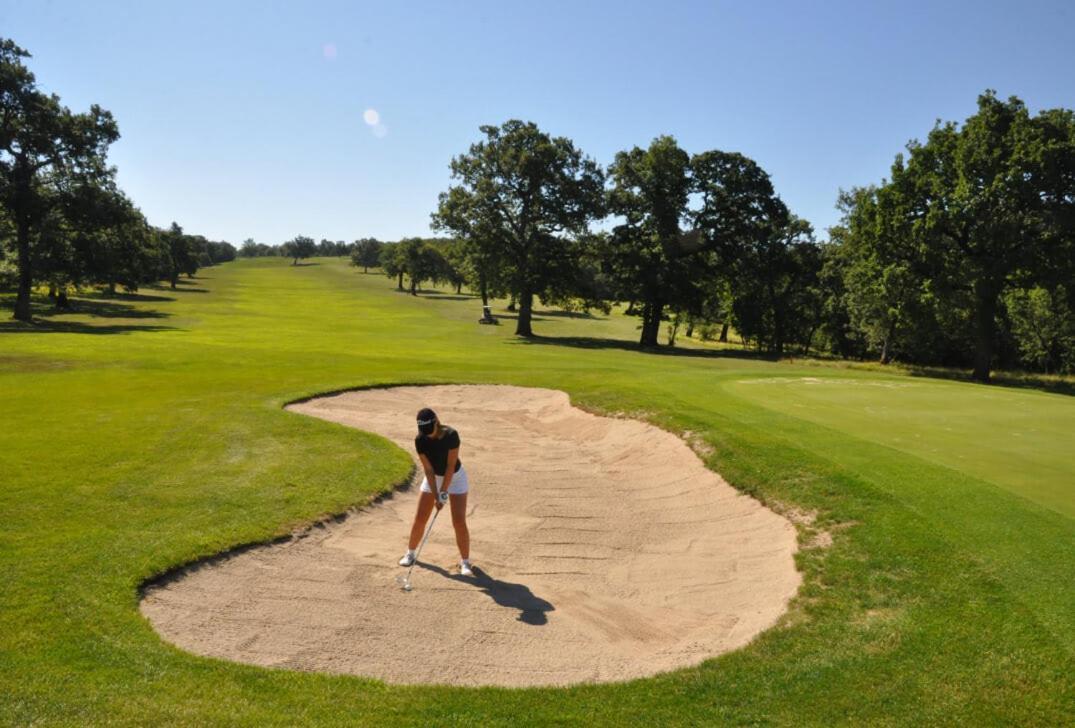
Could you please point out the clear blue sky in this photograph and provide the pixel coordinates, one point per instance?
(246, 119)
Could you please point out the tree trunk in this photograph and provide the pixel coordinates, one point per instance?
(26, 276)
(414, 286)
(459, 288)
(651, 323)
(399, 283)
(673, 329)
(61, 300)
(690, 328)
(112, 288)
(809, 341)
(724, 332)
(511, 303)
(985, 315)
(522, 324)
(778, 327)
(485, 290)
(886, 355)
(631, 310)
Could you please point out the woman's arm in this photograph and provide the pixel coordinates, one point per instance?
(453, 456)
(427, 467)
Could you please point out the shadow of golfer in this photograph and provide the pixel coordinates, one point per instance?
(532, 608)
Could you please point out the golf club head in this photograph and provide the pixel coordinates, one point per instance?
(404, 581)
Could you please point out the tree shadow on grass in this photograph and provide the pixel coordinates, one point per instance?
(532, 609)
(40, 326)
(1015, 380)
(49, 319)
(102, 308)
(439, 296)
(542, 315)
(589, 342)
(515, 316)
(126, 296)
(587, 315)
(182, 286)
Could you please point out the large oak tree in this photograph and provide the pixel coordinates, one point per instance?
(527, 193)
(44, 148)
(651, 259)
(990, 204)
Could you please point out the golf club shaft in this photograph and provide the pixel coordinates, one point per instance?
(422, 545)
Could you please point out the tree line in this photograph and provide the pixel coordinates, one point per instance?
(63, 221)
(965, 256)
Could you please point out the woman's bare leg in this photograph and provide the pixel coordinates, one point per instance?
(459, 522)
(425, 507)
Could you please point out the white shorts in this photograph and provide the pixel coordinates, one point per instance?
(459, 484)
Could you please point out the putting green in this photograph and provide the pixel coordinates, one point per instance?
(1020, 440)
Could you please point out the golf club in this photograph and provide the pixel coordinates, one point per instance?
(404, 580)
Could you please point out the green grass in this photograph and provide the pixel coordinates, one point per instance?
(147, 433)
(1018, 440)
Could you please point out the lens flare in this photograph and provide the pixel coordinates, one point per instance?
(371, 117)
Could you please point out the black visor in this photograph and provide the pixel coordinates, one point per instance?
(427, 421)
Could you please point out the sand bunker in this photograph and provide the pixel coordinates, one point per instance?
(605, 551)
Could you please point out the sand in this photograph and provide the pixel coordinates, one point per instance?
(605, 550)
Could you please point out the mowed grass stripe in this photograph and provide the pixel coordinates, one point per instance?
(1019, 440)
(138, 451)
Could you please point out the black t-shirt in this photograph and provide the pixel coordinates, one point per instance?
(437, 449)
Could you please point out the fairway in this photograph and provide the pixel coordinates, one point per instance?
(936, 520)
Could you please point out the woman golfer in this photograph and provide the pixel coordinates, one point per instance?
(445, 481)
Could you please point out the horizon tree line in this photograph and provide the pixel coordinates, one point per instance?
(963, 256)
(63, 220)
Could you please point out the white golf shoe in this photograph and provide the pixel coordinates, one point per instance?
(408, 558)
(464, 568)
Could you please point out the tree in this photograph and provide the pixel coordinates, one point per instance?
(525, 192)
(987, 203)
(884, 277)
(419, 260)
(836, 326)
(181, 254)
(480, 257)
(43, 147)
(748, 228)
(1044, 327)
(650, 257)
(326, 247)
(392, 264)
(220, 251)
(299, 248)
(774, 288)
(456, 264)
(366, 253)
(110, 241)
